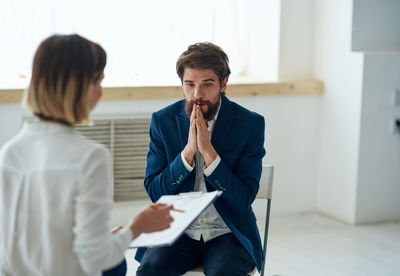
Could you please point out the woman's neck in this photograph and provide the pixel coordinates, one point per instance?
(51, 119)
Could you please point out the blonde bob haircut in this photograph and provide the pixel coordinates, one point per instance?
(63, 67)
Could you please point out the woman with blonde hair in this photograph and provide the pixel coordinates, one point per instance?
(55, 185)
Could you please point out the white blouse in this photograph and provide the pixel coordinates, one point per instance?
(55, 202)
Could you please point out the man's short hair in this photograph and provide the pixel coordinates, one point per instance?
(205, 55)
(63, 67)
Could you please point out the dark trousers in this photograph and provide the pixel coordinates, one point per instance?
(119, 270)
(223, 255)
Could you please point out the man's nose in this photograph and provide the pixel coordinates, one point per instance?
(198, 92)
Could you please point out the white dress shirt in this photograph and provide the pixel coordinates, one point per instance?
(209, 224)
(55, 202)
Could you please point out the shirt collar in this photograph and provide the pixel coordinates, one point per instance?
(212, 122)
(40, 127)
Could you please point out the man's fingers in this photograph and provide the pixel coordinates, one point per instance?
(200, 123)
(193, 120)
(193, 115)
(199, 113)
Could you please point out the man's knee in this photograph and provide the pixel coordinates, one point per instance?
(152, 266)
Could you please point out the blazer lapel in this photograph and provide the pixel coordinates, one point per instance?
(183, 124)
(223, 123)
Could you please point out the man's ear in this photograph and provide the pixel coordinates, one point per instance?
(223, 84)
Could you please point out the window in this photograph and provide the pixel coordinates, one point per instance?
(143, 39)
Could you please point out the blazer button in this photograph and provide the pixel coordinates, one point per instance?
(174, 184)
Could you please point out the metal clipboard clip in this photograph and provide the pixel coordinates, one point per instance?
(191, 194)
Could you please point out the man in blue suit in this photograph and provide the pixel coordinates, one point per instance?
(206, 143)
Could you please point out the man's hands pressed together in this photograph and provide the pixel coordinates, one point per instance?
(203, 138)
(199, 139)
(191, 147)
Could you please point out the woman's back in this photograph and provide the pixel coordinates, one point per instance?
(44, 172)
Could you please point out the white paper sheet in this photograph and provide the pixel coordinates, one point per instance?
(192, 203)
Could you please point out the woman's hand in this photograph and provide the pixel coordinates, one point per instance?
(155, 217)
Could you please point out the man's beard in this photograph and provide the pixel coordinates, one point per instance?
(211, 108)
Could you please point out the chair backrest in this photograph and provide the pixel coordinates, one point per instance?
(266, 182)
(265, 192)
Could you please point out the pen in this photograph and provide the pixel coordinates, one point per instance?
(178, 210)
(157, 205)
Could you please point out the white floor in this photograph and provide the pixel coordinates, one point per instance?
(312, 244)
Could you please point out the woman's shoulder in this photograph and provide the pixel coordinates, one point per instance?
(87, 146)
(11, 148)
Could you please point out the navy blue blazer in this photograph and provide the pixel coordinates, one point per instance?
(238, 138)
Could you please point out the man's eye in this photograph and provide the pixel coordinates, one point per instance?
(190, 84)
(208, 84)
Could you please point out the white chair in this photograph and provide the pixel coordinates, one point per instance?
(264, 194)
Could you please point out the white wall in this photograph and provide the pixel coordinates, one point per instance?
(292, 124)
(295, 158)
(341, 71)
(376, 25)
(376, 29)
(379, 168)
(358, 175)
(291, 135)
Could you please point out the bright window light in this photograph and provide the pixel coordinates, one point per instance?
(143, 39)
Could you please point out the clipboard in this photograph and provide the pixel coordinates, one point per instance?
(192, 203)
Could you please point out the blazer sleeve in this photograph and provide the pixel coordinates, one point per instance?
(163, 176)
(240, 183)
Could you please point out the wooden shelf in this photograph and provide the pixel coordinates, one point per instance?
(302, 87)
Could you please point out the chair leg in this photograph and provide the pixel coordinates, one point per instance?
(266, 236)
